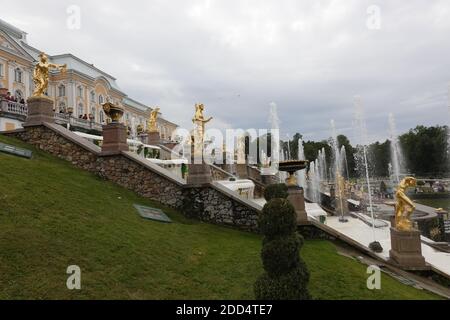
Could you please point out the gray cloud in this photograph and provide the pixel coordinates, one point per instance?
(310, 57)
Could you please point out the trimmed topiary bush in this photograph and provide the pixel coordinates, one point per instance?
(286, 276)
(277, 219)
(288, 286)
(274, 191)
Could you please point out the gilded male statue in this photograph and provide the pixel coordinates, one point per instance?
(152, 120)
(341, 184)
(404, 206)
(41, 74)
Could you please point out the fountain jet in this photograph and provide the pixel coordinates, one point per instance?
(396, 152)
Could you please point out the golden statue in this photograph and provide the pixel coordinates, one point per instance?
(41, 74)
(404, 207)
(341, 186)
(152, 120)
(199, 131)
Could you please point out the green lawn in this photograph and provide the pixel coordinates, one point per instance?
(53, 215)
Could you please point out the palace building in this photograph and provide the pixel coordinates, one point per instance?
(78, 93)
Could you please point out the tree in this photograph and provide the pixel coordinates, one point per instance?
(286, 276)
(426, 150)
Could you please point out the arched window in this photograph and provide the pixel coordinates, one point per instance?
(18, 75)
(80, 91)
(62, 90)
(101, 116)
(93, 96)
(100, 99)
(18, 95)
(80, 109)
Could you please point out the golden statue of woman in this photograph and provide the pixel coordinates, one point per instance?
(41, 74)
(152, 120)
(199, 119)
(404, 206)
(199, 130)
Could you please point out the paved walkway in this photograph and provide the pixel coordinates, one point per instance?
(363, 234)
(360, 232)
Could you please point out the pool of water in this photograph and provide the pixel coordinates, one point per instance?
(435, 203)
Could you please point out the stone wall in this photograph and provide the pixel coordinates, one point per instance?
(207, 204)
(210, 205)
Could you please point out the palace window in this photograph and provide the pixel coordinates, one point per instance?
(18, 75)
(18, 95)
(101, 116)
(100, 99)
(1, 70)
(80, 91)
(62, 91)
(92, 96)
(80, 109)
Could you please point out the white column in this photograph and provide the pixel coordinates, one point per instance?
(10, 76)
(26, 81)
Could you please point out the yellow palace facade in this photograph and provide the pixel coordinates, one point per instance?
(78, 93)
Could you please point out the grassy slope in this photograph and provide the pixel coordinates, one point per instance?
(53, 215)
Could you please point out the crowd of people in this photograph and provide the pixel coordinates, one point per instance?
(12, 98)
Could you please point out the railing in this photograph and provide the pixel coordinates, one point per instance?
(20, 111)
(14, 108)
(63, 118)
(17, 108)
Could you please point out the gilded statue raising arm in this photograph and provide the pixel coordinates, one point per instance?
(199, 114)
(41, 74)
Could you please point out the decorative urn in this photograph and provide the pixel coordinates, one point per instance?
(291, 167)
(114, 112)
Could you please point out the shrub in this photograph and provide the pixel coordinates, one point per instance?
(286, 275)
(277, 218)
(274, 191)
(289, 286)
(281, 255)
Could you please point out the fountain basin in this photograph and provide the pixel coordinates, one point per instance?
(291, 167)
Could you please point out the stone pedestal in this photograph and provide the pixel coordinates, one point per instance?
(40, 110)
(297, 199)
(241, 171)
(114, 138)
(154, 138)
(406, 249)
(199, 174)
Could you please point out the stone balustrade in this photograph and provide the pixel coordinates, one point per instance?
(13, 109)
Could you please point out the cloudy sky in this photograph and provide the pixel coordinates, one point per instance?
(309, 57)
